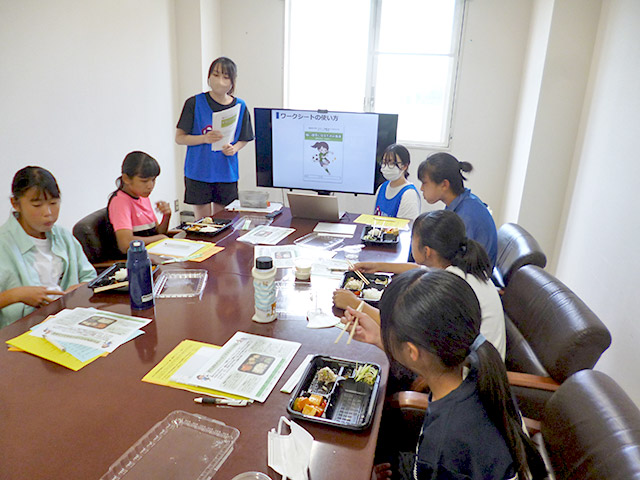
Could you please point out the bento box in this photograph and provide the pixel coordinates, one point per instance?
(380, 236)
(369, 293)
(113, 279)
(338, 392)
(206, 226)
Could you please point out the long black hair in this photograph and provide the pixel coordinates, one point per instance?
(444, 231)
(438, 312)
(38, 177)
(138, 164)
(444, 166)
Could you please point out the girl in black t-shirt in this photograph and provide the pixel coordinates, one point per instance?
(430, 323)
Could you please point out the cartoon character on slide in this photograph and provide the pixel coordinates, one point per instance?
(322, 156)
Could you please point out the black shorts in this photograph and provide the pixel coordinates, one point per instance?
(202, 193)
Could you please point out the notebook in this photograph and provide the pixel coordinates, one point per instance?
(315, 207)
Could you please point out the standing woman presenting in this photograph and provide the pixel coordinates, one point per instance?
(211, 177)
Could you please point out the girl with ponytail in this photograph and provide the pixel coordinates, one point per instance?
(442, 180)
(472, 428)
(439, 241)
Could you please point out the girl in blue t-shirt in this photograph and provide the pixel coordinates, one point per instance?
(211, 177)
(430, 323)
(397, 197)
(442, 180)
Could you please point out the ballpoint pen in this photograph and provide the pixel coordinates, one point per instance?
(222, 401)
(53, 342)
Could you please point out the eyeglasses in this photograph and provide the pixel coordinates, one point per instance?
(392, 164)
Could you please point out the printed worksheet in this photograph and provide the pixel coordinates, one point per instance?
(226, 122)
(247, 365)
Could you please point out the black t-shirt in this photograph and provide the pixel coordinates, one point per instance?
(459, 441)
(185, 123)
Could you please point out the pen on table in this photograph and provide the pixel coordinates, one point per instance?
(221, 401)
(54, 343)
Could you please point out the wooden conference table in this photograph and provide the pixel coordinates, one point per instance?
(57, 423)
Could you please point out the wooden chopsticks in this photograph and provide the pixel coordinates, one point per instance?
(353, 329)
(359, 273)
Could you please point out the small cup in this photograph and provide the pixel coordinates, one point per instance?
(252, 476)
(303, 269)
(352, 252)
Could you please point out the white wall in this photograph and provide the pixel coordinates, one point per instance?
(598, 256)
(82, 84)
(552, 99)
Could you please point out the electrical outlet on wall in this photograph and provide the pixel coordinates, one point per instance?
(176, 205)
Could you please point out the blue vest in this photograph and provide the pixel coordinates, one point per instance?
(389, 207)
(201, 163)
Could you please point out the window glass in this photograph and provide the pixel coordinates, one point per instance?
(387, 56)
(328, 44)
(416, 26)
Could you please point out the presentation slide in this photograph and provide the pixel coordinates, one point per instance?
(331, 151)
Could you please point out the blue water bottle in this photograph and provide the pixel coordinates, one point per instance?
(139, 274)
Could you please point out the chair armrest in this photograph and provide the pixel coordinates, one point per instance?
(517, 379)
(533, 426)
(409, 399)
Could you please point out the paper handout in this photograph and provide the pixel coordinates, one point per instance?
(225, 122)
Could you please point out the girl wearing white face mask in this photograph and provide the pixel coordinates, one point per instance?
(397, 197)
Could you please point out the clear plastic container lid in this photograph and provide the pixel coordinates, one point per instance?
(319, 240)
(180, 283)
(183, 445)
(249, 222)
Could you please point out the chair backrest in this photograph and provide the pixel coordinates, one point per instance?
(516, 248)
(95, 234)
(591, 429)
(563, 332)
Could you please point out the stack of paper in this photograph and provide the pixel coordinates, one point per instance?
(266, 235)
(161, 374)
(247, 366)
(236, 207)
(181, 250)
(401, 223)
(341, 229)
(75, 338)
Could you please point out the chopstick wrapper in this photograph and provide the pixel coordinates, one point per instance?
(289, 455)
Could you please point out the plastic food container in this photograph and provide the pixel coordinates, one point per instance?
(253, 199)
(349, 404)
(319, 240)
(377, 282)
(183, 445)
(252, 476)
(379, 236)
(207, 226)
(249, 222)
(180, 283)
(107, 280)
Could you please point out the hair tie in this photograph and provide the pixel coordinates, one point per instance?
(463, 246)
(477, 342)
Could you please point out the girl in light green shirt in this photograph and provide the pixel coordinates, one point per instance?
(39, 261)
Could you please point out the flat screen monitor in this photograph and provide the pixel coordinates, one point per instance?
(321, 150)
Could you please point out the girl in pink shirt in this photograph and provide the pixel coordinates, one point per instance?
(130, 210)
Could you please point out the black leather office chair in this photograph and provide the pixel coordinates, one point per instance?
(591, 430)
(551, 334)
(516, 248)
(98, 240)
(588, 430)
